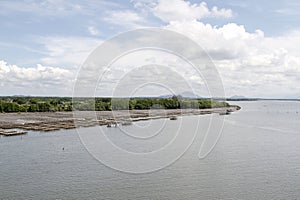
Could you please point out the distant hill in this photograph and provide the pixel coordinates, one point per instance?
(190, 95)
(186, 95)
(238, 97)
(241, 98)
(165, 96)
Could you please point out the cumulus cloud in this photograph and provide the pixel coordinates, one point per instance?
(35, 80)
(251, 64)
(132, 73)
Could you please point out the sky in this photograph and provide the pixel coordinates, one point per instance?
(255, 45)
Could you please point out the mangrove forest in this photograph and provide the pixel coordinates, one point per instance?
(54, 104)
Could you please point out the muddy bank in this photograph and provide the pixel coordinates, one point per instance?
(51, 121)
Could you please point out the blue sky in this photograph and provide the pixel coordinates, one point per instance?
(53, 37)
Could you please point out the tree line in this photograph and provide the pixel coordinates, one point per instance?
(54, 104)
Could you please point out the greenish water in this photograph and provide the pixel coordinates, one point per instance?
(257, 157)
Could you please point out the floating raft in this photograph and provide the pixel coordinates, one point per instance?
(57, 125)
(12, 132)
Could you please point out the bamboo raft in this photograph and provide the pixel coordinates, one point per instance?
(55, 124)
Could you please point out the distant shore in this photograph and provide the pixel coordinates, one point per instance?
(51, 121)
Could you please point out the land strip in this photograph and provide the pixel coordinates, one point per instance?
(51, 121)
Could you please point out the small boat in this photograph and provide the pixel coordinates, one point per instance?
(173, 118)
(112, 125)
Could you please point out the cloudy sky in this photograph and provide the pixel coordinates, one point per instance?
(255, 45)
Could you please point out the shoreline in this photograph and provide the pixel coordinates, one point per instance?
(52, 121)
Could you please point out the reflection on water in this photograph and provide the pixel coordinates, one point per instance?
(257, 156)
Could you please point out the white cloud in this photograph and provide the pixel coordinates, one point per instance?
(14, 72)
(250, 64)
(180, 10)
(67, 51)
(35, 80)
(222, 13)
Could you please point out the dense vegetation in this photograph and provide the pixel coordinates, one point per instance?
(53, 104)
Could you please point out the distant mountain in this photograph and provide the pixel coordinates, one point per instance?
(242, 98)
(238, 97)
(166, 96)
(187, 95)
(190, 95)
(20, 95)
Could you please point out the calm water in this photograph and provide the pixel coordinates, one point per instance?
(257, 157)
